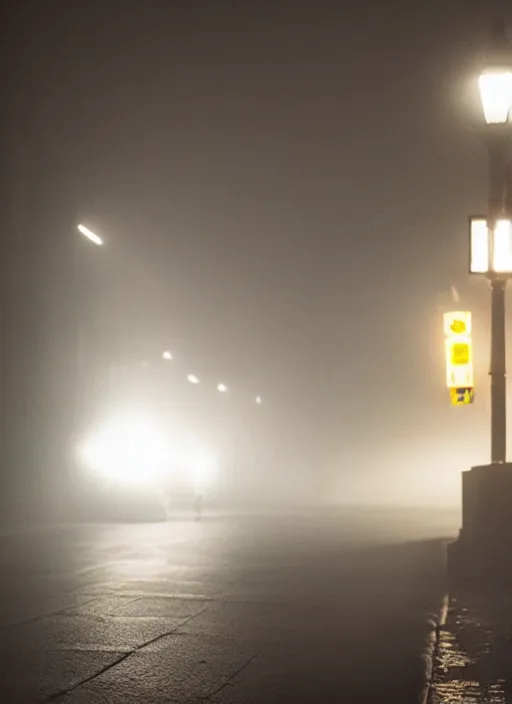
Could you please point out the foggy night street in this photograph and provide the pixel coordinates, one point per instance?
(327, 606)
(254, 275)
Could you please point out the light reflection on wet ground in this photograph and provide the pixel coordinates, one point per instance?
(273, 608)
(474, 656)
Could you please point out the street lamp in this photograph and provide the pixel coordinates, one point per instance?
(222, 388)
(259, 400)
(192, 378)
(482, 550)
(491, 236)
(495, 82)
(90, 235)
(167, 355)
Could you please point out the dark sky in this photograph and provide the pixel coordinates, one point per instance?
(284, 188)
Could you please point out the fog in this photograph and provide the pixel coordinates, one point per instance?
(256, 223)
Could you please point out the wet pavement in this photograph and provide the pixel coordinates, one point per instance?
(473, 662)
(320, 607)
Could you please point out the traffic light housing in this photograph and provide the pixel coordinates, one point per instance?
(459, 357)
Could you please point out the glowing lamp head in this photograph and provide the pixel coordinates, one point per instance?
(222, 388)
(495, 82)
(193, 379)
(496, 95)
(167, 355)
(490, 250)
(93, 237)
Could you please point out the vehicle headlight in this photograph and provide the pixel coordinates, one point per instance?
(129, 451)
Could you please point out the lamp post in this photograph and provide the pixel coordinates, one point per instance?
(483, 548)
(493, 241)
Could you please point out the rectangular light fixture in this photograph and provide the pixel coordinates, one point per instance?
(490, 252)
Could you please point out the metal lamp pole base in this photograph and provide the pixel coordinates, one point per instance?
(482, 553)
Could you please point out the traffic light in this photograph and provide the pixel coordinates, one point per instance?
(459, 357)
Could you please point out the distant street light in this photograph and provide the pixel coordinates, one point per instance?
(167, 355)
(222, 388)
(259, 400)
(90, 235)
(192, 378)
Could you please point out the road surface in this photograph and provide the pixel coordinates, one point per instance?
(307, 606)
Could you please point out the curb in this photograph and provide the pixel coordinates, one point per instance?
(430, 650)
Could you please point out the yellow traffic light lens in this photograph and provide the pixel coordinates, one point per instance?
(460, 353)
(458, 327)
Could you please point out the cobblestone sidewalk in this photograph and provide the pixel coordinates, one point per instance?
(473, 659)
